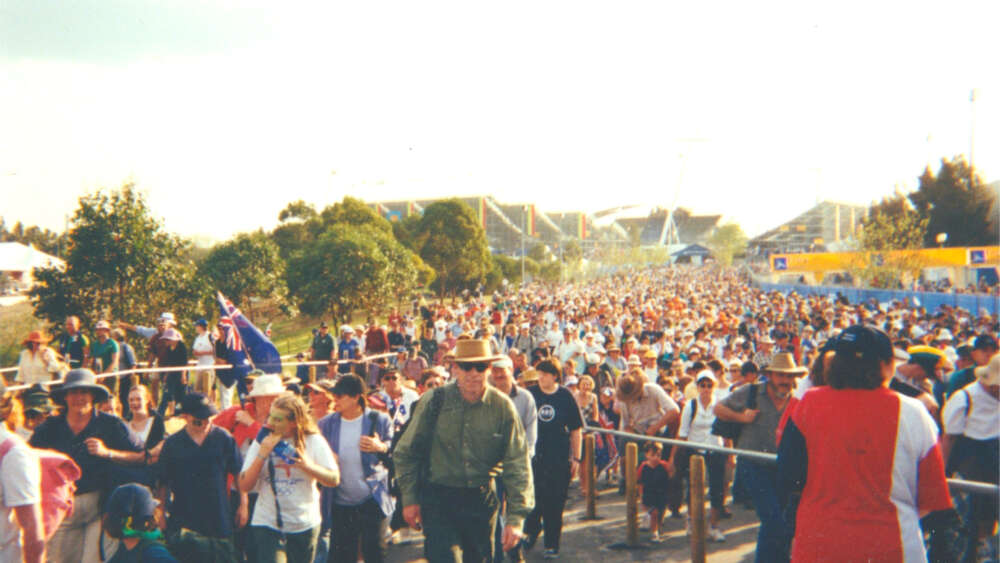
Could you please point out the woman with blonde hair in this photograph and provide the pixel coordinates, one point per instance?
(38, 363)
(289, 455)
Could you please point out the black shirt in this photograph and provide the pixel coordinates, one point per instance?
(55, 434)
(196, 477)
(558, 415)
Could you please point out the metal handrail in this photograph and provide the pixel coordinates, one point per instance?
(963, 485)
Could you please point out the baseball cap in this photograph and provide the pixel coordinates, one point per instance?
(350, 385)
(863, 341)
(504, 362)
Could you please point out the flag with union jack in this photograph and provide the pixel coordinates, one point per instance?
(247, 347)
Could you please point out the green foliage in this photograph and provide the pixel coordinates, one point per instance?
(726, 242)
(353, 211)
(451, 240)
(43, 239)
(245, 267)
(406, 231)
(958, 202)
(539, 253)
(888, 239)
(16, 321)
(550, 271)
(510, 268)
(120, 264)
(352, 268)
(571, 252)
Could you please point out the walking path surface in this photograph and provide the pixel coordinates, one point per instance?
(595, 540)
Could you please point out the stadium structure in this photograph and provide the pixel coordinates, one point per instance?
(827, 226)
(513, 226)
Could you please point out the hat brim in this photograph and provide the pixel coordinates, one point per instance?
(492, 358)
(202, 412)
(101, 392)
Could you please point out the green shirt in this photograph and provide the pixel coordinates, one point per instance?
(105, 351)
(472, 444)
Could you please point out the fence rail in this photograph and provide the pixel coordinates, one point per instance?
(974, 487)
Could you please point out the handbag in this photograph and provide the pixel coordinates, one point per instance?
(729, 429)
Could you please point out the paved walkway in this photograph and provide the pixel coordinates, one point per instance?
(599, 540)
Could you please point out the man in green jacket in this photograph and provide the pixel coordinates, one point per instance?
(476, 437)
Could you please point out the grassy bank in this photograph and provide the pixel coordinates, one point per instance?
(16, 321)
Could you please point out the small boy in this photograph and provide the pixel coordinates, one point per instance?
(652, 481)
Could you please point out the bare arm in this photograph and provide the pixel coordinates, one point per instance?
(728, 414)
(29, 519)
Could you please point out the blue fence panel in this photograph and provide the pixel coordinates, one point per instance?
(932, 301)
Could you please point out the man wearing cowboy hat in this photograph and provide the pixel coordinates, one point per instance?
(759, 427)
(95, 440)
(477, 436)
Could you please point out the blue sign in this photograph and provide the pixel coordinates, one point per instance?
(780, 263)
(977, 256)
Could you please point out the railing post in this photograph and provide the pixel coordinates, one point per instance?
(631, 495)
(589, 477)
(696, 509)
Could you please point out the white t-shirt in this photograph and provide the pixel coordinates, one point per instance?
(699, 430)
(353, 489)
(20, 485)
(203, 343)
(983, 420)
(297, 492)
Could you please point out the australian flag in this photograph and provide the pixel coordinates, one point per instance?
(246, 346)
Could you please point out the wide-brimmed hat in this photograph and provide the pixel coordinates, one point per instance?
(784, 362)
(990, 373)
(81, 378)
(267, 385)
(630, 386)
(633, 360)
(529, 376)
(473, 350)
(321, 386)
(102, 325)
(613, 348)
(37, 336)
(198, 406)
(36, 399)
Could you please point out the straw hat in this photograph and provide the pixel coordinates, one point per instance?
(37, 336)
(630, 387)
(472, 350)
(784, 362)
(529, 376)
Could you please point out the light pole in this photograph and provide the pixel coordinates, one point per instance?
(524, 221)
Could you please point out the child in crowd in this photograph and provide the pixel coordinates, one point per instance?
(652, 481)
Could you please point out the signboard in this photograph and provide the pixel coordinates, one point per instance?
(780, 263)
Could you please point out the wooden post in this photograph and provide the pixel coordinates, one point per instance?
(631, 495)
(589, 477)
(696, 509)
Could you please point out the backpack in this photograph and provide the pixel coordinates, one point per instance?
(729, 429)
(59, 475)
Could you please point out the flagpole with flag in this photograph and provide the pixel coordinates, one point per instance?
(246, 346)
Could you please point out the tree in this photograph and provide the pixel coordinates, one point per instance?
(120, 264)
(42, 239)
(571, 252)
(726, 242)
(451, 240)
(350, 268)
(888, 239)
(539, 253)
(245, 267)
(351, 211)
(956, 201)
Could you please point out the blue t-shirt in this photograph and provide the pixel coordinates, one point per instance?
(196, 476)
(346, 350)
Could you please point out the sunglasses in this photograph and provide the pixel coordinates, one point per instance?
(389, 378)
(709, 384)
(473, 366)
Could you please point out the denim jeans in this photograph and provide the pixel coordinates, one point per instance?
(351, 523)
(298, 547)
(774, 537)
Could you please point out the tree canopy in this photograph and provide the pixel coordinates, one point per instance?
(246, 267)
(450, 239)
(956, 201)
(120, 264)
(727, 242)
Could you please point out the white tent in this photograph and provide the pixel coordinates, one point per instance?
(18, 261)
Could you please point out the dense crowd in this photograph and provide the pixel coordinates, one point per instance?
(465, 419)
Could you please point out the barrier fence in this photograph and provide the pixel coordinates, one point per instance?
(972, 302)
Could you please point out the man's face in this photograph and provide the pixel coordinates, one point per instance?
(390, 382)
(502, 378)
(102, 335)
(72, 325)
(318, 400)
(79, 399)
(342, 403)
(982, 355)
(781, 383)
(432, 382)
(471, 377)
(323, 330)
(195, 423)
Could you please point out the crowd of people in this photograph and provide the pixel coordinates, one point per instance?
(465, 419)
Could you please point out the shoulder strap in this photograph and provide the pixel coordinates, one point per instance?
(752, 398)
(373, 423)
(274, 493)
(968, 406)
(694, 408)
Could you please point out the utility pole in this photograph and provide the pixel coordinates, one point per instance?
(524, 222)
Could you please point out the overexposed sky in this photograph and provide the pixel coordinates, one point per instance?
(223, 112)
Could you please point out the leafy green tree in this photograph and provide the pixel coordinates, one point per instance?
(726, 242)
(451, 240)
(245, 267)
(539, 253)
(120, 264)
(572, 253)
(352, 268)
(956, 201)
(510, 268)
(406, 231)
(888, 240)
(42, 239)
(351, 211)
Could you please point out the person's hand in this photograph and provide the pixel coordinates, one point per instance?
(95, 447)
(372, 444)
(671, 468)
(268, 443)
(411, 514)
(155, 451)
(242, 515)
(511, 536)
(574, 468)
(749, 415)
(244, 418)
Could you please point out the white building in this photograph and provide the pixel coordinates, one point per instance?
(18, 262)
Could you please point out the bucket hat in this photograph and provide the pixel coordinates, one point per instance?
(81, 378)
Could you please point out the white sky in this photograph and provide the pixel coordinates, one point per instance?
(223, 112)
